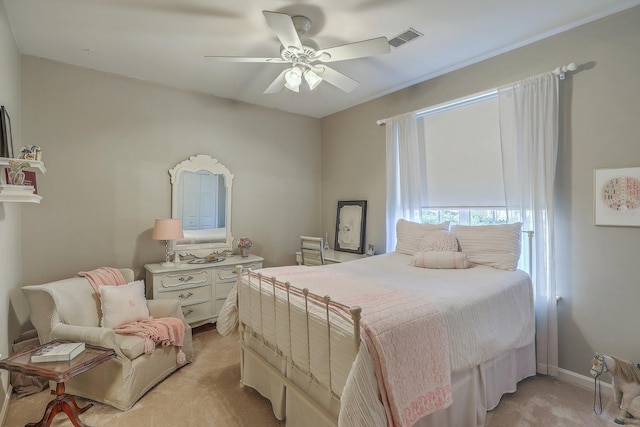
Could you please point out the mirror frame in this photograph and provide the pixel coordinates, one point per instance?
(193, 164)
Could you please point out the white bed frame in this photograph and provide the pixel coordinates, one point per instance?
(248, 330)
(256, 348)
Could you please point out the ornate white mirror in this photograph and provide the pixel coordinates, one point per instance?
(201, 198)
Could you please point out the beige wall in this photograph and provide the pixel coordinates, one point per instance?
(10, 213)
(108, 143)
(597, 276)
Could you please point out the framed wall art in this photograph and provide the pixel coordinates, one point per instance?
(617, 197)
(6, 142)
(351, 223)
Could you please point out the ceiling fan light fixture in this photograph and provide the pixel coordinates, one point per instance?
(304, 54)
(313, 80)
(293, 78)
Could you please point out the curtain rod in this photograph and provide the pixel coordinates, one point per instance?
(558, 71)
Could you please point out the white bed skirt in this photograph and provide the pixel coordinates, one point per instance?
(475, 391)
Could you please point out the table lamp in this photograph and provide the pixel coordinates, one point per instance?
(168, 229)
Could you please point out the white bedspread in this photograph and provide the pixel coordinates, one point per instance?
(486, 311)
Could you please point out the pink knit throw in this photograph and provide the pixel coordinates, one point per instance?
(164, 331)
(414, 375)
(105, 276)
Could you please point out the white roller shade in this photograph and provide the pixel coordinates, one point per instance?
(463, 156)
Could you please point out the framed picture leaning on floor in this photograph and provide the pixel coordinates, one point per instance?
(351, 223)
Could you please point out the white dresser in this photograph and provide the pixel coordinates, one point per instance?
(201, 288)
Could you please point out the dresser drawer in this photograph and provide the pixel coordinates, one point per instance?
(188, 294)
(194, 277)
(195, 312)
(228, 274)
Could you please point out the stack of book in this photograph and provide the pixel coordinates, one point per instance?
(58, 352)
(16, 190)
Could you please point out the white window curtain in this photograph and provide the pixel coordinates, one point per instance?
(406, 173)
(529, 137)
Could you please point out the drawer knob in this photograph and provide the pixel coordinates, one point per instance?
(183, 296)
(186, 313)
(185, 279)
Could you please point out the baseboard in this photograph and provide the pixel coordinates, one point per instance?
(5, 404)
(583, 381)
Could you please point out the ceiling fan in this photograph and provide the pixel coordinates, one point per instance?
(306, 58)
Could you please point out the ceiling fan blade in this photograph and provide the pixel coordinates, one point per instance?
(372, 47)
(282, 25)
(336, 78)
(244, 59)
(277, 85)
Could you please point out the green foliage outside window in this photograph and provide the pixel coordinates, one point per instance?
(464, 216)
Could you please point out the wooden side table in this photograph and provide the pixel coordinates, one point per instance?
(60, 372)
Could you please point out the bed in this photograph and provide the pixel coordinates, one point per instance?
(379, 341)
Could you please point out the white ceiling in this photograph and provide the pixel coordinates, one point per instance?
(165, 41)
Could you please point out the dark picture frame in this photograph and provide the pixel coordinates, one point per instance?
(351, 225)
(6, 142)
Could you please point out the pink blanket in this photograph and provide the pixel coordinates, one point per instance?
(164, 331)
(405, 335)
(106, 276)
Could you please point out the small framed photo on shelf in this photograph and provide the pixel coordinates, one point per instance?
(351, 223)
(617, 197)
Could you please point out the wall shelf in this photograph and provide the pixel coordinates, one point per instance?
(19, 193)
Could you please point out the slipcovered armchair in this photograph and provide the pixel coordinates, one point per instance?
(70, 310)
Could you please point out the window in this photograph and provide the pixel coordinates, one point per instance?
(463, 155)
(465, 216)
(463, 163)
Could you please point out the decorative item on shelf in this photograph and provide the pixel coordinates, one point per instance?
(16, 173)
(168, 229)
(245, 244)
(30, 153)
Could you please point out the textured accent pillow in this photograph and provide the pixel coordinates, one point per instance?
(438, 259)
(409, 234)
(439, 240)
(123, 304)
(493, 245)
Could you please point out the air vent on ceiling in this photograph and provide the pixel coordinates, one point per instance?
(405, 37)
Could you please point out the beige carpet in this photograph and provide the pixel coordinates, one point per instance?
(207, 393)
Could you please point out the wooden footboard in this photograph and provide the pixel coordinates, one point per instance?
(308, 332)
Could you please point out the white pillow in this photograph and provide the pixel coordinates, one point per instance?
(409, 234)
(439, 240)
(123, 304)
(439, 259)
(493, 245)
